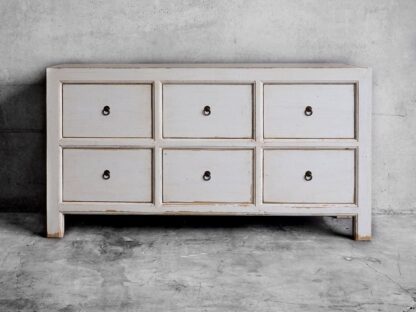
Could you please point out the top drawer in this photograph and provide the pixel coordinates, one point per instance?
(107, 110)
(207, 111)
(307, 111)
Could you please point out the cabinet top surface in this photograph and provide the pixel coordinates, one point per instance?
(209, 65)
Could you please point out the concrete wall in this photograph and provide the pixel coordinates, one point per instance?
(38, 33)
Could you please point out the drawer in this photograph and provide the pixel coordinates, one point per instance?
(309, 111)
(199, 176)
(107, 175)
(107, 110)
(207, 111)
(309, 176)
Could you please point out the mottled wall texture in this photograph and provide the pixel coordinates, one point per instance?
(35, 34)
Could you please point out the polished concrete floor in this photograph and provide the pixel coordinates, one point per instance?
(122, 263)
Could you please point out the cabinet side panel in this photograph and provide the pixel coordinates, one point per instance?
(362, 222)
(54, 219)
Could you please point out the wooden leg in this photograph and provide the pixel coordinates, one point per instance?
(361, 227)
(55, 225)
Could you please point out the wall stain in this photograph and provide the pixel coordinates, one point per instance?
(177, 286)
(18, 304)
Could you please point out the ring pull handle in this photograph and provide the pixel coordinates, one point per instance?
(207, 176)
(207, 111)
(308, 111)
(106, 174)
(106, 110)
(308, 175)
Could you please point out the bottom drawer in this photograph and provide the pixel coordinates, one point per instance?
(107, 175)
(309, 176)
(199, 176)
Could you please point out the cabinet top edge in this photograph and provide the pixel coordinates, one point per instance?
(210, 65)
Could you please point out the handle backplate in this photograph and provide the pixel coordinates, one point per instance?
(206, 111)
(106, 174)
(207, 176)
(106, 110)
(308, 111)
(308, 175)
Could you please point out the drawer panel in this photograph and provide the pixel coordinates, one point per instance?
(309, 111)
(198, 176)
(105, 110)
(309, 176)
(207, 111)
(129, 176)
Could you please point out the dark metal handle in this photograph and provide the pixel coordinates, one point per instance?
(106, 174)
(308, 111)
(106, 110)
(308, 176)
(206, 176)
(207, 111)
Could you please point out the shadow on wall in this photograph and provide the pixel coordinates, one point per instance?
(23, 147)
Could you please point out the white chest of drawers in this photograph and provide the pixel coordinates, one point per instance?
(238, 139)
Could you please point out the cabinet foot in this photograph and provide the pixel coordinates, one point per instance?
(361, 228)
(55, 225)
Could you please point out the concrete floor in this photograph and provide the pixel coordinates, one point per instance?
(207, 264)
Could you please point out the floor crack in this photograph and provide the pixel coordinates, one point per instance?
(407, 291)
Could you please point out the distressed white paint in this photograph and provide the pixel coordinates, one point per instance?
(258, 75)
(230, 114)
(55, 221)
(231, 176)
(130, 110)
(333, 176)
(332, 111)
(130, 178)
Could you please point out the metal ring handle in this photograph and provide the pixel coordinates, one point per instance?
(207, 111)
(308, 176)
(106, 174)
(308, 111)
(207, 176)
(106, 110)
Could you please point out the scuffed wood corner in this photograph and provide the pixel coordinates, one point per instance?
(356, 231)
(55, 235)
(362, 238)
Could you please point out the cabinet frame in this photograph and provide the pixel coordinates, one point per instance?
(256, 74)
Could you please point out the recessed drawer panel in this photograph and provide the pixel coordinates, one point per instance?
(207, 111)
(309, 176)
(198, 176)
(309, 111)
(107, 175)
(106, 110)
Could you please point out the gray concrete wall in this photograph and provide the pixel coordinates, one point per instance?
(37, 33)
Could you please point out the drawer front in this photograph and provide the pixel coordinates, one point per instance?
(207, 111)
(199, 176)
(318, 176)
(105, 110)
(107, 175)
(309, 111)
